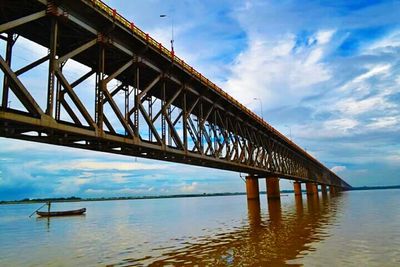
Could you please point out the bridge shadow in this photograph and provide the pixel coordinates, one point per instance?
(280, 237)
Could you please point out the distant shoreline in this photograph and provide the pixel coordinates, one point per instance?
(78, 199)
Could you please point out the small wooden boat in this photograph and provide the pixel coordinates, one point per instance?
(61, 213)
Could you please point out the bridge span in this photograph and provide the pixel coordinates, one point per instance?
(144, 100)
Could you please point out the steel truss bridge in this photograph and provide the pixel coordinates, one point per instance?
(136, 98)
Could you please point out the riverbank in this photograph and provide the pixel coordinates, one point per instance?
(78, 199)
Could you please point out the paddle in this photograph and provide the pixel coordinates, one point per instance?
(37, 209)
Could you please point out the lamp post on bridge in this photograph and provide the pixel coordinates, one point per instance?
(172, 30)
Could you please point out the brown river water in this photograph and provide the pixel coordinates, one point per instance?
(358, 228)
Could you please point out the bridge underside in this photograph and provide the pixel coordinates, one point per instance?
(132, 97)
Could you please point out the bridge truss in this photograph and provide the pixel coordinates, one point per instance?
(135, 98)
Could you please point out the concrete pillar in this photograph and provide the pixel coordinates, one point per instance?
(254, 212)
(315, 188)
(310, 188)
(252, 189)
(299, 204)
(332, 189)
(323, 189)
(297, 188)
(274, 210)
(273, 190)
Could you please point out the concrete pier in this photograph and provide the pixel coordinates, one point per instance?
(315, 189)
(323, 189)
(273, 190)
(252, 188)
(332, 189)
(312, 189)
(297, 188)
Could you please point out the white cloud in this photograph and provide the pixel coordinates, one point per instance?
(373, 71)
(338, 126)
(384, 122)
(360, 83)
(351, 106)
(338, 169)
(189, 188)
(99, 165)
(386, 43)
(394, 159)
(324, 37)
(273, 71)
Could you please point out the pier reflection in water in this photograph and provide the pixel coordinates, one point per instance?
(287, 232)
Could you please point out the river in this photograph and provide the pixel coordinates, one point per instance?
(357, 228)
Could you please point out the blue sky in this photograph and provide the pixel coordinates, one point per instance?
(328, 74)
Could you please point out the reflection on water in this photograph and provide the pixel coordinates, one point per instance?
(47, 220)
(271, 239)
(349, 229)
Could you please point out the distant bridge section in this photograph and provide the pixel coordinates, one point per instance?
(134, 98)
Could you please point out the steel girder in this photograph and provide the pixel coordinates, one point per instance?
(164, 114)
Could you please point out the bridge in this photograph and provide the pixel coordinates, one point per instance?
(144, 101)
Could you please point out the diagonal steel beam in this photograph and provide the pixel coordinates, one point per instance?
(119, 71)
(167, 105)
(149, 122)
(78, 50)
(82, 79)
(75, 99)
(19, 90)
(108, 124)
(18, 22)
(149, 86)
(70, 112)
(32, 65)
(117, 112)
(174, 133)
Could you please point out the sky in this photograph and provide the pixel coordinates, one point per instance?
(327, 74)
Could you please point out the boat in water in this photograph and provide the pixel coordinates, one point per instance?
(61, 213)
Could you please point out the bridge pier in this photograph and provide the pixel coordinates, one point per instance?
(323, 189)
(273, 190)
(332, 190)
(252, 188)
(312, 188)
(297, 188)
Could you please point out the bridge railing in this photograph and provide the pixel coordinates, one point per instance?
(170, 54)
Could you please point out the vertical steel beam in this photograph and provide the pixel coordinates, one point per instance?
(59, 96)
(199, 126)
(163, 115)
(169, 114)
(184, 120)
(52, 66)
(150, 113)
(100, 89)
(6, 85)
(136, 92)
(126, 115)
